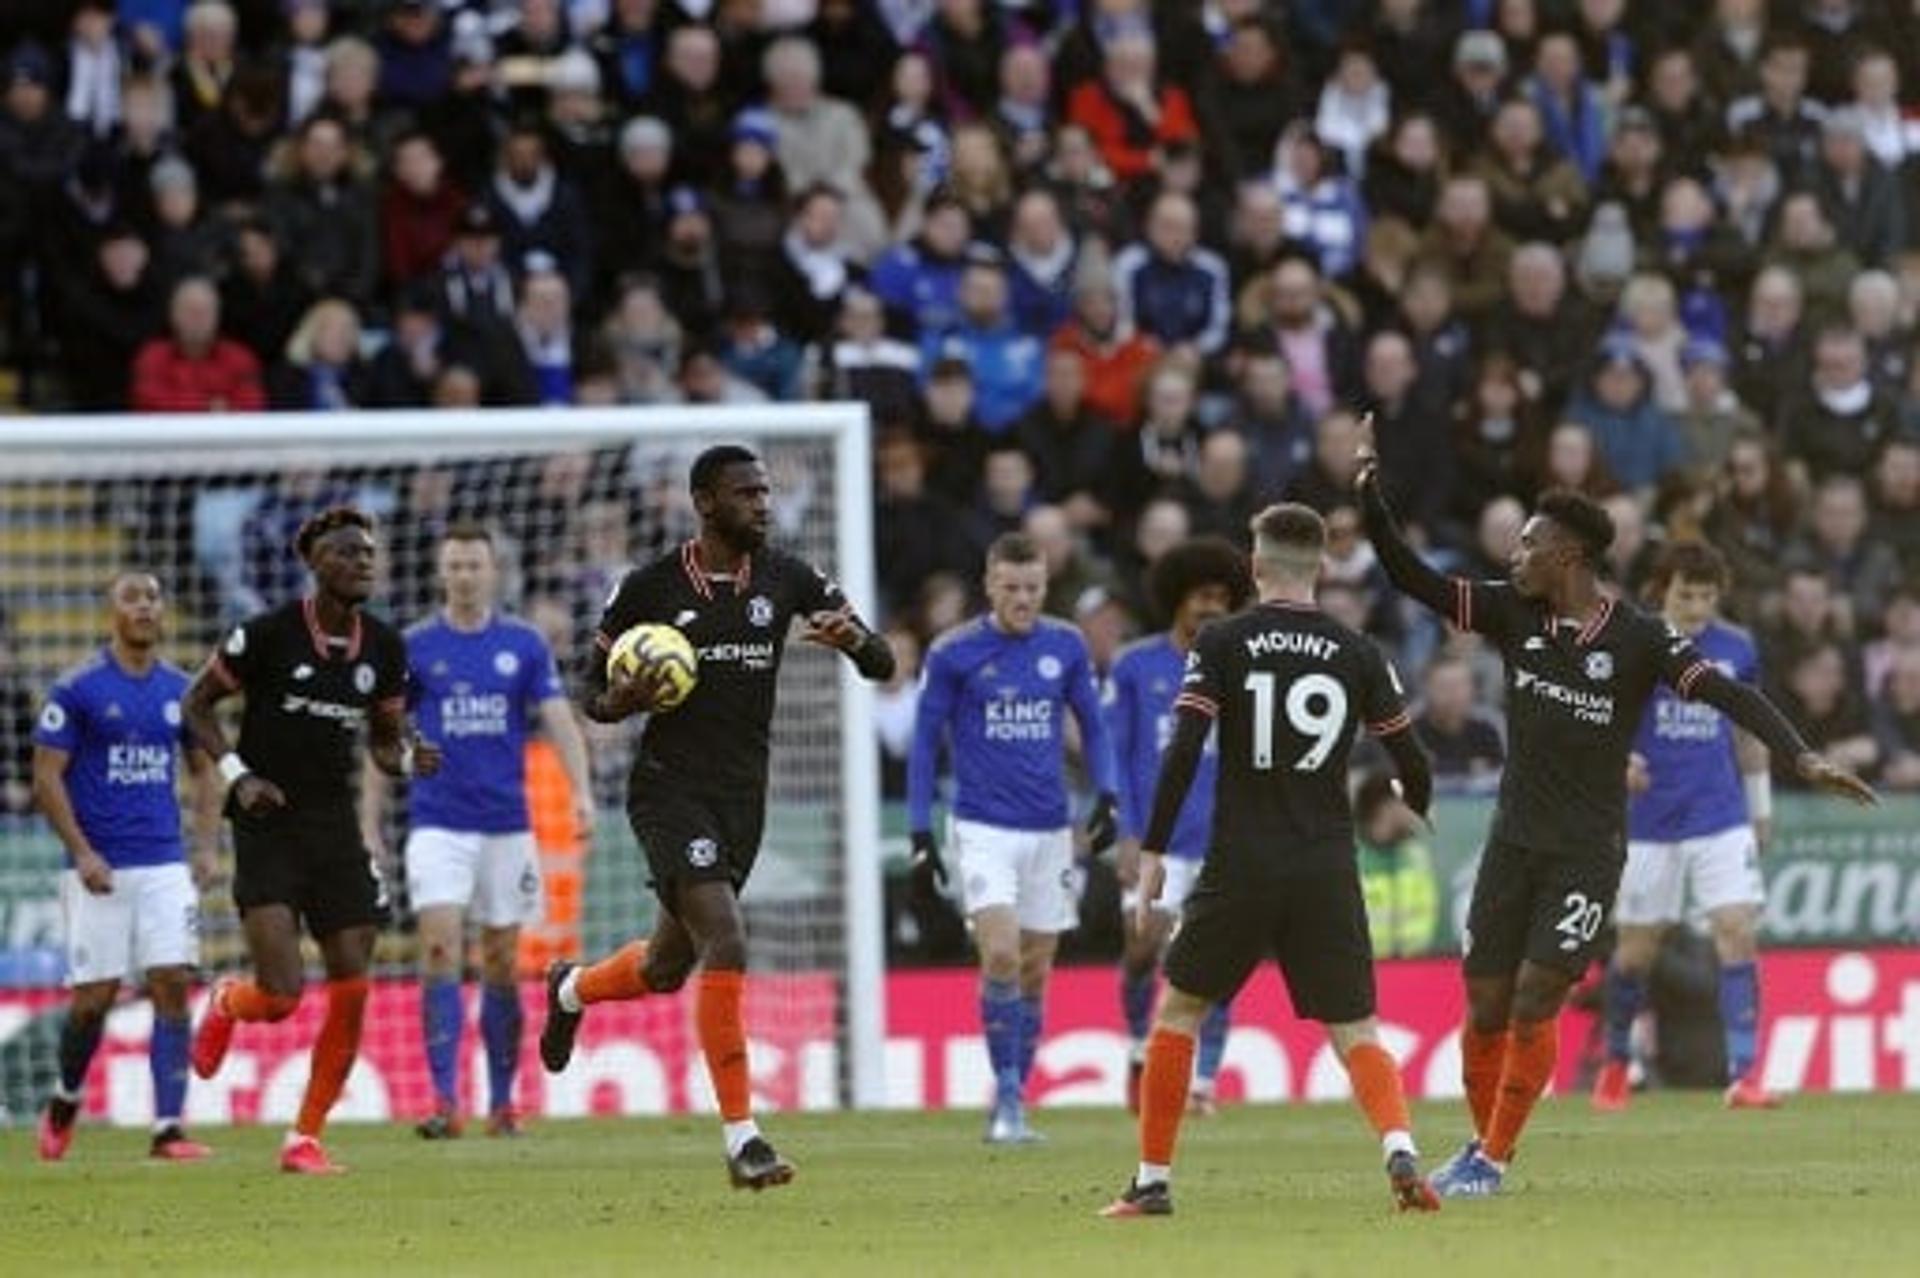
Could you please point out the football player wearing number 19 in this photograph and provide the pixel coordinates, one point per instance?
(1581, 668)
(104, 752)
(1284, 687)
(698, 794)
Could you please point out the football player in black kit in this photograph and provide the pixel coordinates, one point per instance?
(1581, 665)
(312, 672)
(697, 796)
(1285, 687)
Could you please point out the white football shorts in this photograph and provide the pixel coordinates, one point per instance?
(1029, 870)
(495, 878)
(150, 919)
(1716, 870)
(1182, 873)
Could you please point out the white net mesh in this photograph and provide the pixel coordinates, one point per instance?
(576, 500)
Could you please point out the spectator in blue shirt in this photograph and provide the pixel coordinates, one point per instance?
(1170, 288)
(1008, 365)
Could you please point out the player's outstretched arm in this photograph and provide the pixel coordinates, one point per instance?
(1404, 568)
(1753, 711)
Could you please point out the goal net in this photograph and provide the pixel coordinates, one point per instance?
(574, 499)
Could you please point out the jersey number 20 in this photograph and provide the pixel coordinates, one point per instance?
(1316, 707)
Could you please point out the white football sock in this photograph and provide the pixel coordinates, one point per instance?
(738, 1134)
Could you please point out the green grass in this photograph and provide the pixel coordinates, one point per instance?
(1676, 1186)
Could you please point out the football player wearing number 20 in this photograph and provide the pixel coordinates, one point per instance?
(1581, 668)
(1285, 687)
(697, 797)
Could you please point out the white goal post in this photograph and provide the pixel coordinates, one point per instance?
(196, 498)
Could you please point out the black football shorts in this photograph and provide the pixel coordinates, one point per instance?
(1548, 907)
(1313, 925)
(313, 862)
(693, 837)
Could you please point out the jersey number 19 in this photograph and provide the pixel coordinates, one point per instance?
(1316, 707)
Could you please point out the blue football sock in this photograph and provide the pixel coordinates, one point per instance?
(1740, 1015)
(79, 1040)
(1031, 1018)
(1000, 1018)
(444, 1018)
(1625, 996)
(167, 1058)
(500, 1029)
(1213, 1041)
(1136, 1001)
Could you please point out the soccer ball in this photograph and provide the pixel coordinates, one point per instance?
(652, 645)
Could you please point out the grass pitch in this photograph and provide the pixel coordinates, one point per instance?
(1675, 1186)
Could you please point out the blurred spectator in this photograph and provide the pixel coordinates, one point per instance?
(1461, 738)
(1536, 194)
(812, 274)
(1862, 571)
(1728, 48)
(957, 445)
(322, 370)
(1129, 111)
(1007, 364)
(1023, 109)
(1320, 349)
(303, 56)
(416, 56)
(1163, 456)
(1004, 496)
(537, 209)
(193, 369)
(1497, 440)
(1896, 500)
(1638, 442)
(1896, 722)
(1170, 288)
(1043, 261)
(755, 351)
(262, 299)
(1278, 431)
(1322, 211)
(1754, 517)
(1874, 310)
(1405, 170)
(1649, 323)
(821, 139)
(1219, 496)
(1902, 618)
(1473, 93)
(1355, 108)
(1706, 259)
(979, 179)
(630, 204)
(1572, 459)
(1682, 110)
(1629, 560)
(186, 239)
(1115, 356)
(1251, 100)
(1403, 896)
(547, 353)
(750, 203)
(1806, 243)
(108, 312)
(1866, 204)
(1778, 116)
(1771, 357)
(1162, 525)
(1464, 242)
(1634, 170)
(1840, 419)
(692, 279)
(318, 203)
(229, 147)
(207, 65)
(1413, 429)
(917, 531)
(919, 282)
(420, 348)
(352, 79)
(1542, 324)
(1328, 482)
(1072, 570)
(1829, 710)
(271, 572)
(1884, 126)
(1072, 448)
(94, 68)
(1571, 110)
(1712, 415)
(643, 340)
(864, 363)
(419, 210)
(1496, 535)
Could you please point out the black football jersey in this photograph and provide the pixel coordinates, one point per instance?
(1288, 686)
(1575, 697)
(308, 695)
(717, 739)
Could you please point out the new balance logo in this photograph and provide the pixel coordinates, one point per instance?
(1534, 643)
(302, 672)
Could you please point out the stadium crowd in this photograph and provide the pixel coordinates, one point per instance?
(1113, 272)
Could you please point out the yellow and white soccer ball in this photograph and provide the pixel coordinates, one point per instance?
(655, 646)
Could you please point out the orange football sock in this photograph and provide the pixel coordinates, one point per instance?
(723, 1040)
(1482, 1057)
(1376, 1086)
(333, 1053)
(1532, 1052)
(1163, 1093)
(246, 1001)
(616, 978)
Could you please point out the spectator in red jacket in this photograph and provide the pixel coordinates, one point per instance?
(418, 210)
(1129, 113)
(194, 369)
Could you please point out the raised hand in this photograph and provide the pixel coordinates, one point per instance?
(1366, 454)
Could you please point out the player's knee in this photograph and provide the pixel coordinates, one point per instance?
(1735, 938)
(664, 976)
(169, 991)
(1181, 1012)
(725, 951)
(1000, 964)
(1539, 1000)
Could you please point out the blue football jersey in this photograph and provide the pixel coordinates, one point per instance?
(473, 695)
(123, 734)
(1688, 745)
(1139, 706)
(999, 701)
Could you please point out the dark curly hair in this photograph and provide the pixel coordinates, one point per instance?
(332, 519)
(1192, 565)
(1583, 519)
